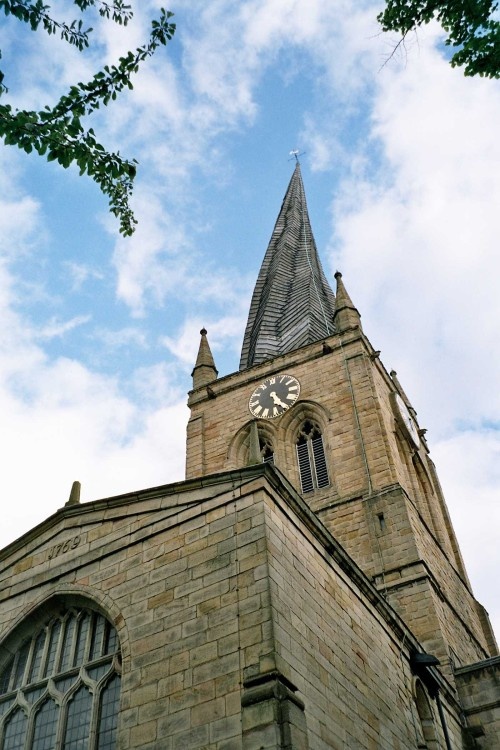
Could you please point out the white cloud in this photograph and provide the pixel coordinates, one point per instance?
(160, 263)
(470, 461)
(143, 263)
(21, 222)
(80, 273)
(62, 422)
(222, 333)
(159, 384)
(123, 337)
(56, 328)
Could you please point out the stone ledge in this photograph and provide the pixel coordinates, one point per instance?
(492, 663)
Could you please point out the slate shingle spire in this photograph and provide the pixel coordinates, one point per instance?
(292, 304)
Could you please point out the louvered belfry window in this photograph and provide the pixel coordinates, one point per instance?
(60, 690)
(311, 458)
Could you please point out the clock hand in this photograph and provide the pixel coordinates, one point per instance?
(277, 400)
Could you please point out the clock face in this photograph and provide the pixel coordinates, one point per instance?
(406, 420)
(274, 396)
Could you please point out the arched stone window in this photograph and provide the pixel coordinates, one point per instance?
(426, 732)
(311, 457)
(266, 448)
(60, 688)
(243, 448)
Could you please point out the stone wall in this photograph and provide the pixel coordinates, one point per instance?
(351, 667)
(479, 689)
(242, 623)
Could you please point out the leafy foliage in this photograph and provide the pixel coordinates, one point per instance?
(57, 132)
(469, 24)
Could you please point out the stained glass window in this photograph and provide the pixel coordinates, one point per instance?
(15, 730)
(5, 677)
(81, 643)
(37, 656)
(107, 723)
(45, 722)
(20, 661)
(79, 650)
(67, 646)
(77, 725)
(55, 632)
(97, 636)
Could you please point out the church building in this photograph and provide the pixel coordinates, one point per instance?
(302, 589)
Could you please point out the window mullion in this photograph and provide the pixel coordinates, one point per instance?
(13, 672)
(94, 718)
(103, 638)
(61, 727)
(31, 656)
(312, 462)
(74, 640)
(60, 645)
(46, 651)
(90, 635)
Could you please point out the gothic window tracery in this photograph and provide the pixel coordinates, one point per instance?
(311, 457)
(60, 689)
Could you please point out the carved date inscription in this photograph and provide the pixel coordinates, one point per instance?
(66, 546)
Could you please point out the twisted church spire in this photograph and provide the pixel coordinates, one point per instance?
(292, 304)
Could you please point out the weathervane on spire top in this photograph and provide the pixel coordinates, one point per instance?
(296, 153)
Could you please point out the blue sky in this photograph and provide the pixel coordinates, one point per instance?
(400, 167)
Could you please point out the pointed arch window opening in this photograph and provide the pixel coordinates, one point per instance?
(266, 449)
(77, 652)
(311, 458)
(426, 730)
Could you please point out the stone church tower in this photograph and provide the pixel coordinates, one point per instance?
(302, 589)
(347, 438)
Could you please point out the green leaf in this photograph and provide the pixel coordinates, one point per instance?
(470, 25)
(57, 131)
